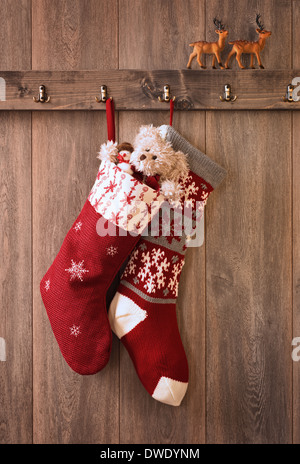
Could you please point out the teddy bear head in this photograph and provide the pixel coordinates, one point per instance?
(152, 155)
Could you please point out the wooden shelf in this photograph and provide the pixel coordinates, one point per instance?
(139, 90)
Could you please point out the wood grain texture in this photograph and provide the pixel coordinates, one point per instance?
(296, 232)
(68, 408)
(164, 424)
(15, 35)
(74, 34)
(156, 34)
(157, 37)
(239, 299)
(239, 18)
(248, 266)
(296, 273)
(15, 236)
(68, 35)
(295, 33)
(15, 278)
(140, 89)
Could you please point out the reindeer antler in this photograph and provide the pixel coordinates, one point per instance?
(219, 24)
(259, 24)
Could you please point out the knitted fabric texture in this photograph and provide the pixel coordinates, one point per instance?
(143, 311)
(75, 286)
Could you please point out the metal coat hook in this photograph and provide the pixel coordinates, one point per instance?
(227, 95)
(42, 96)
(289, 94)
(103, 93)
(166, 97)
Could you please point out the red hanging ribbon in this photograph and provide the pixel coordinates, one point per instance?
(110, 118)
(171, 111)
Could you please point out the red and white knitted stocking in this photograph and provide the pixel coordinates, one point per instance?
(74, 288)
(143, 311)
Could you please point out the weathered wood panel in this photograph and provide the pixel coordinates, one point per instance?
(156, 34)
(142, 419)
(15, 35)
(15, 279)
(15, 237)
(139, 90)
(296, 273)
(246, 281)
(296, 231)
(160, 27)
(74, 34)
(68, 408)
(248, 249)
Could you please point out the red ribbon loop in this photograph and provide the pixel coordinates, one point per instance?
(171, 111)
(110, 118)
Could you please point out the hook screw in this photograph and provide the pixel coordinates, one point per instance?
(42, 96)
(227, 95)
(166, 97)
(103, 93)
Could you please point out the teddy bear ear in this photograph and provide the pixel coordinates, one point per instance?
(163, 131)
(145, 130)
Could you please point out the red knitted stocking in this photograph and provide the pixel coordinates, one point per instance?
(143, 311)
(74, 288)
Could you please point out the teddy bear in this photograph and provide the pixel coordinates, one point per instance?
(152, 160)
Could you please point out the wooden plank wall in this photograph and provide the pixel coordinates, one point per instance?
(248, 259)
(296, 232)
(77, 409)
(15, 237)
(239, 304)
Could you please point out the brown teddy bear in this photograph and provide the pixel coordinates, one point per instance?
(151, 159)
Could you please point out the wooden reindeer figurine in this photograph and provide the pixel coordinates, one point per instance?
(254, 48)
(213, 48)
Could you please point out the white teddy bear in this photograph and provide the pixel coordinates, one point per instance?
(151, 159)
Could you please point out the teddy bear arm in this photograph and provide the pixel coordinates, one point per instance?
(108, 152)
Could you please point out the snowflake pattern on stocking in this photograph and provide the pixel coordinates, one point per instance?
(174, 280)
(74, 330)
(145, 270)
(191, 191)
(77, 226)
(153, 273)
(123, 200)
(47, 285)
(131, 265)
(111, 250)
(76, 270)
(156, 270)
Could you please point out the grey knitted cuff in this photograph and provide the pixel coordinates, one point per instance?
(199, 163)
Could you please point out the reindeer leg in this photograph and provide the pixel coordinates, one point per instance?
(238, 59)
(192, 56)
(213, 64)
(199, 60)
(251, 61)
(219, 60)
(259, 60)
(232, 52)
